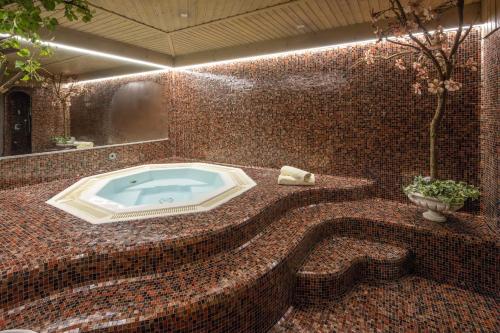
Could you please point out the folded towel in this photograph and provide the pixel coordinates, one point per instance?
(296, 173)
(83, 144)
(289, 180)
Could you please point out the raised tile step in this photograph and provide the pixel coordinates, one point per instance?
(249, 288)
(409, 304)
(337, 263)
(44, 250)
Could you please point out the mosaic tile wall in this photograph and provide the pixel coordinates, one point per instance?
(490, 133)
(301, 110)
(31, 169)
(309, 111)
(47, 121)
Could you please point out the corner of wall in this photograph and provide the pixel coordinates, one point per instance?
(490, 123)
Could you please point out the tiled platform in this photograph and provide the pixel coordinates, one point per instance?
(43, 249)
(155, 276)
(337, 263)
(411, 304)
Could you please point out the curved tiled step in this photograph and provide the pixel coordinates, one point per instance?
(337, 263)
(246, 289)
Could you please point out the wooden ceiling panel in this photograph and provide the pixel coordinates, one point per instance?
(212, 25)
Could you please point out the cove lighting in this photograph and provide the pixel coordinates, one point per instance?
(104, 55)
(298, 51)
(55, 45)
(220, 62)
(123, 76)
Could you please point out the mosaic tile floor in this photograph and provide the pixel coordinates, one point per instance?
(411, 304)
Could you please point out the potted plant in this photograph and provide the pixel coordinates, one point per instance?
(414, 28)
(63, 141)
(439, 196)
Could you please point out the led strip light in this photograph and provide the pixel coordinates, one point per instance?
(163, 68)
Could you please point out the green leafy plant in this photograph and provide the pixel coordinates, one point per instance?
(20, 43)
(447, 191)
(61, 139)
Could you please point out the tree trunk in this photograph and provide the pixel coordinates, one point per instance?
(438, 114)
(64, 110)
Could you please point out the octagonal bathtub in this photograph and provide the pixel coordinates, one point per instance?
(151, 191)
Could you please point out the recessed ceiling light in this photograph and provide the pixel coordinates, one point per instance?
(184, 15)
(301, 26)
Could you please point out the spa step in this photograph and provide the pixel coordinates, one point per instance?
(337, 263)
(245, 289)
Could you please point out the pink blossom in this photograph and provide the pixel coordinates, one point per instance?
(421, 70)
(471, 64)
(435, 86)
(400, 64)
(369, 57)
(417, 88)
(451, 85)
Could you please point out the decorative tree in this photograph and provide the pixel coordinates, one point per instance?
(20, 23)
(62, 88)
(409, 26)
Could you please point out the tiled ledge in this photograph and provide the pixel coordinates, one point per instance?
(247, 289)
(22, 170)
(44, 250)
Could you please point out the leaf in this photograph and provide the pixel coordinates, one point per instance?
(24, 52)
(19, 64)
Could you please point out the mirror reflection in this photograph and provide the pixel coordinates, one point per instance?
(55, 111)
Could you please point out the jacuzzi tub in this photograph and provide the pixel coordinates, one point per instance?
(151, 191)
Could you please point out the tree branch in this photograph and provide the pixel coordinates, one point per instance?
(3, 68)
(458, 36)
(402, 44)
(429, 55)
(4, 86)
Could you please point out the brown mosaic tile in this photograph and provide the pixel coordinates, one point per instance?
(43, 167)
(248, 288)
(490, 134)
(234, 269)
(71, 251)
(308, 110)
(411, 304)
(337, 263)
(299, 109)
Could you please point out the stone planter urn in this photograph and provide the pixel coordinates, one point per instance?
(435, 208)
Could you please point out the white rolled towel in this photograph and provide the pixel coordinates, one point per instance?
(289, 180)
(297, 173)
(83, 144)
